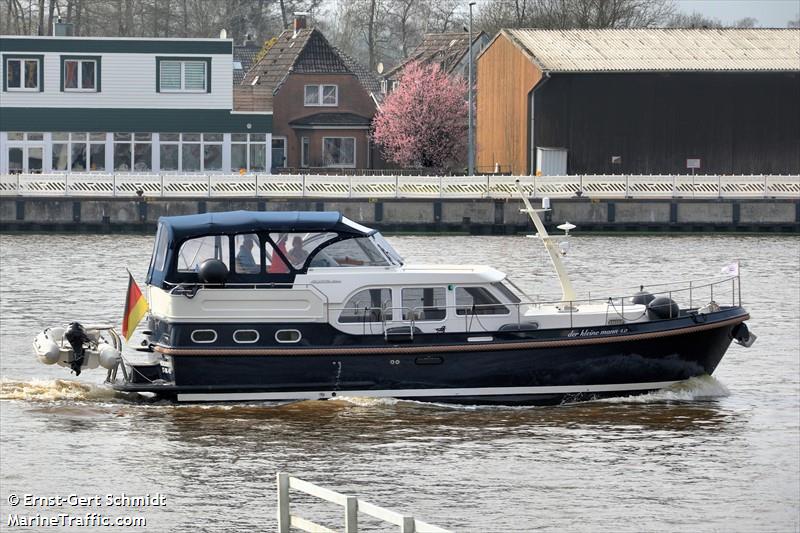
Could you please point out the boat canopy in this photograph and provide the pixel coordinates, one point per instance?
(255, 245)
(180, 228)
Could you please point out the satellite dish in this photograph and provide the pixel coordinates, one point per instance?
(380, 68)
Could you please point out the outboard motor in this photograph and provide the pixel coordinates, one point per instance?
(662, 308)
(213, 271)
(76, 337)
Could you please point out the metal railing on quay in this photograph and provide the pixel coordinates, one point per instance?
(395, 185)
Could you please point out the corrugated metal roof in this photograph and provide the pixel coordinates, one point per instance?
(652, 49)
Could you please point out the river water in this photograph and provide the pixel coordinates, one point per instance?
(712, 454)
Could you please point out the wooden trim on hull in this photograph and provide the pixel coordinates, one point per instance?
(477, 347)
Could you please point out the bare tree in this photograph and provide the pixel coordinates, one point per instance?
(569, 14)
(747, 22)
(40, 11)
(402, 13)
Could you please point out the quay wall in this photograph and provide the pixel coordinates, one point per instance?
(479, 216)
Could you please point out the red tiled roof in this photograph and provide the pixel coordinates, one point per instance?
(306, 52)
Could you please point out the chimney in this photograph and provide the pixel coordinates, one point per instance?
(299, 22)
(63, 29)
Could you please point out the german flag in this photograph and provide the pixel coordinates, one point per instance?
(135, 308)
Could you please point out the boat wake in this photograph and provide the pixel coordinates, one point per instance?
(40, 390)
(693, 389)
(363, 401)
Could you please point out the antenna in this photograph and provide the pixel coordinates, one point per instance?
(553, 249)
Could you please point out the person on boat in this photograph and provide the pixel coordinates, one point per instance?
(297, 255)
(245, 263)
(278, 266)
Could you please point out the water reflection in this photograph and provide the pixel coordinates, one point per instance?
(312, 425)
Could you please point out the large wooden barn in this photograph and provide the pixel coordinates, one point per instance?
(644, 101)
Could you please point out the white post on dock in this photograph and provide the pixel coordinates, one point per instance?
(351, 504)
(408, 525)
(351, 515)
(284, 518)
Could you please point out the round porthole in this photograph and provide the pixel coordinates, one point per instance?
(245, 336)
(204, 336)
(288, 335)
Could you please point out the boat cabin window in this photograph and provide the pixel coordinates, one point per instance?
(369, 305)
(505, 288)
(296, 247)
(194, 251)
(359, 251)
(245, 336)
(204, 336)
(248, 254)
(424, 303)
(288, 335)
(478, 301)
(160, 250)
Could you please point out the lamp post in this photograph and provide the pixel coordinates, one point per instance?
(470, 134)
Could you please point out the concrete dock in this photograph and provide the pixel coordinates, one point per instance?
(477, 216)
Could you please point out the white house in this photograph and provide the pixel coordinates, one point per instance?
(78, 104)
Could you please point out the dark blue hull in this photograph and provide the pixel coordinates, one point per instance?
(529, 367)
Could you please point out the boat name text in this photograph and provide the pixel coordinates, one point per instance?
(596, 332)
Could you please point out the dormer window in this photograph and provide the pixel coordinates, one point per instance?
(321, 95)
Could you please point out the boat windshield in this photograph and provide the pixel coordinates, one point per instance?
(358, 251)
(387, 249)
(297, 247)
(510, 291)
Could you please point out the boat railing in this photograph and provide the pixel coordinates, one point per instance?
(682, 282)
(691, 296)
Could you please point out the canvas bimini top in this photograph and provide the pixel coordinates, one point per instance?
(184, 227)
(184, 242)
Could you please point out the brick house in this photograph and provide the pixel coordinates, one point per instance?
(322, 102)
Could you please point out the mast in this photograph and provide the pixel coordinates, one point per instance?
(567, 292)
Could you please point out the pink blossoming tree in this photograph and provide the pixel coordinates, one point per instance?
(423, 122)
